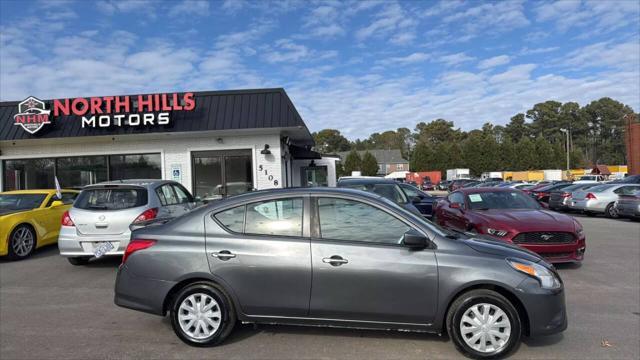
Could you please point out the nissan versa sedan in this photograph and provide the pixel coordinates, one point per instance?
(98, 223)
(306, 257)
(511, 216)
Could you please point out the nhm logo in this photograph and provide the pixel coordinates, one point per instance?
(32, 115)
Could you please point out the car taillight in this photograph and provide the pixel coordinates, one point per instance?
(66, 219)
(590, 196)
(135, 245)
(148, 214)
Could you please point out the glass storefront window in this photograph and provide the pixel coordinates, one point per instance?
(75, 172)
(141, 166)
(28, 174)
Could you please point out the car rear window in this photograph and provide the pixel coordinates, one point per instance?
(111, 198)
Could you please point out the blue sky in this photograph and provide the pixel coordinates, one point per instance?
(357, 66)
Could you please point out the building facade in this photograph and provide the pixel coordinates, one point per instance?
(216, 144)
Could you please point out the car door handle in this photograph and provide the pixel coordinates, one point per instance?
(224, 255)
(335, 260)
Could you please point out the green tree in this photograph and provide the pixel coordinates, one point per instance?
(369, 165)
(526, 155)
(330, 141)
(517, 128)
(353, 162)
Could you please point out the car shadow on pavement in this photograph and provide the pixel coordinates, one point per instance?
(43, 252)
(568, 266)
(105, 262)
(542, 340)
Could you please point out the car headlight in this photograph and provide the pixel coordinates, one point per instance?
(546, 277)
(496, 232)
(579, 229)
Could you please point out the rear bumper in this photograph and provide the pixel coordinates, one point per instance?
(72, 244)
(587, 205)
(142, 294)
(545, 308)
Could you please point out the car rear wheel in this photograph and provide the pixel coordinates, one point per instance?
(202, 315)
(22, 242)
(611, 211)
(79, 260)
(483, 324)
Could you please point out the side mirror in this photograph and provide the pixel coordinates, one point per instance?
(416, 200)
(57, 203)
(197, 199)
(415, 240)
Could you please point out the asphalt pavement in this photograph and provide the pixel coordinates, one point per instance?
(50, 309)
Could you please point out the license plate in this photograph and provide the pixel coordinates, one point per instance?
(102, 248)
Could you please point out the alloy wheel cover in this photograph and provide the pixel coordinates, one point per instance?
(485, 328)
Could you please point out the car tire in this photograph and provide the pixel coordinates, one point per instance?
(611, 212)
(78, 260)
(217, 325)
(22, 242)
(477, 302)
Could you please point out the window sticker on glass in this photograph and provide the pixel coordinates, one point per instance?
(475, 198)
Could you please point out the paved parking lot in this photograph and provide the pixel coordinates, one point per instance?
(52, 310)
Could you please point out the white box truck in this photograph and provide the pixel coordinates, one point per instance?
(491, 175)
(455, 174)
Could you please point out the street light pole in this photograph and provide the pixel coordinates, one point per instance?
(567, 133)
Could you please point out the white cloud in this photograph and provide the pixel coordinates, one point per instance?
(392, 21)
(286, 50)
(110, 7)
(593, 15)
(494, 61)
(416, 57)
(455, 59)
(528, 51)
(190, 7)
(605, 54)
(490, 17)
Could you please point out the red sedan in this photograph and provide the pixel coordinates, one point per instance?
(512, 216)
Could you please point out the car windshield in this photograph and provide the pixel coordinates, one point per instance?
(111, 198)
(10, 202)
(389, 191)
(501, 200)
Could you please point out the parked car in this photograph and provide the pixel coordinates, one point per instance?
(586, 179)
(484, 184)
(458, 183)
(542, 194)
(443, 185)
(632, 179)
(426, 201)
(600, 199)
(511, 216)
(521, 186)
(560, 199)
(628, 206)
(427, 185)
(98, 223)
(30, 219)
(387, 188)
(470, 184)
(237, 260)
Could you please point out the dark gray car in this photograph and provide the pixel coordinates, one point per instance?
(336, 257)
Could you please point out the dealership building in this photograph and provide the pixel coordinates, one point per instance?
(216, 143)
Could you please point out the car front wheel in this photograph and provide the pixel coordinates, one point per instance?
(22, 242)
(202, 315)
(483, 324)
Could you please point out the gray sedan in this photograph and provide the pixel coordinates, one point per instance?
(601, 199)
(336, 257)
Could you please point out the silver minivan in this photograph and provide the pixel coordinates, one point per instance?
(98, 223)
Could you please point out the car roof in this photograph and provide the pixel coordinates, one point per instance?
(133, 182)
(485, 189)
(36, 191)
(294, 192)
(366, 180)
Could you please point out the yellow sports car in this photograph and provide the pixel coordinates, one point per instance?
(30, 219)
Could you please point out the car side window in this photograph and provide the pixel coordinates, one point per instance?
(275, 217)
(166, 195)
(350, 220)
(457, 198)
(232, 219)
(409, 191)
(626, 190)
(181, 194)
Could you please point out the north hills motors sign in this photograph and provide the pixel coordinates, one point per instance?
(106, 111)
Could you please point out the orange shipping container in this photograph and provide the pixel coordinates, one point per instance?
(420, 176)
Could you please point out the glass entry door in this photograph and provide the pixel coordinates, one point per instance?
(218, 174)
(313, 176)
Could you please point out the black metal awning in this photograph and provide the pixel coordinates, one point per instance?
(302, 153)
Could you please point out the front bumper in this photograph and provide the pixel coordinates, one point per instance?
(559, 253)
(545, 308)
(139, 293)
(630, 211)
(70, 243)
